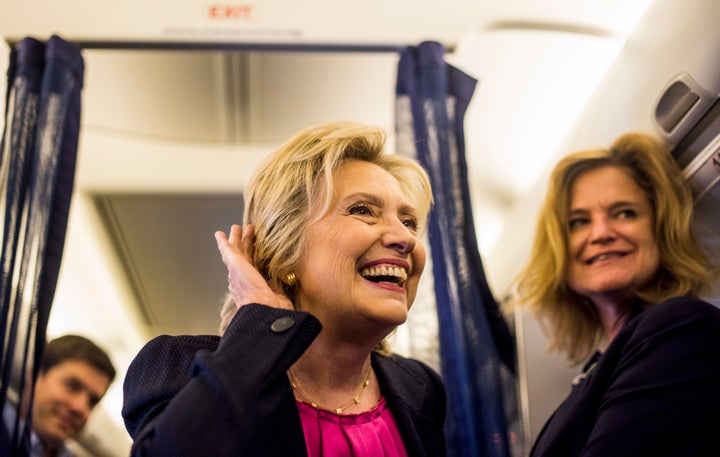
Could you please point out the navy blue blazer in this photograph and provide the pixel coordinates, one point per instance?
(230, 396)
(655, 391)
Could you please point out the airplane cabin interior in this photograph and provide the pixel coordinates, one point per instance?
(181, 102)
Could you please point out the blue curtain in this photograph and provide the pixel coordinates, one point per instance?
(38, 152)
(476, 345)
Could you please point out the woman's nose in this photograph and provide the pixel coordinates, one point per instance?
(399, 237)
(601, 231)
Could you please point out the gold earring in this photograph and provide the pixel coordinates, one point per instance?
(291, 279)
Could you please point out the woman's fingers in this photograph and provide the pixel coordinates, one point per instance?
(235, 235)
(238, 242)
(247, 241)
(245, 283)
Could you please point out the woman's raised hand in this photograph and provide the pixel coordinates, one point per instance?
(245, 283)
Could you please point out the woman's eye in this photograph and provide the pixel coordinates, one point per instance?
(577, 223)
(411, 223)
(361, 209)
(627, 214)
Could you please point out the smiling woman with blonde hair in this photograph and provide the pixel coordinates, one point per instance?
(615, 274)
(325, 266)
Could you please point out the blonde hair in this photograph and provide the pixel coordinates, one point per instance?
(570, 320)
(295, 184)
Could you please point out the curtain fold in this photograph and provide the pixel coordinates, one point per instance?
(38, 153)
(477, 349)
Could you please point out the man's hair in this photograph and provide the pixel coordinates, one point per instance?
(76, 348)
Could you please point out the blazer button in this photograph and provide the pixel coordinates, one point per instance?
(282, 324)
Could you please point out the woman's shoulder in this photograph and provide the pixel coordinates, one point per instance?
(676, 317)
(178, 345)
(160, 370)
(683, 309)
(173, 351)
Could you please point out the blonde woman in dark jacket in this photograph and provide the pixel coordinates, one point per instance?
(615, 275)
(325, 266)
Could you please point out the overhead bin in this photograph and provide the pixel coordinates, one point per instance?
(688, 115)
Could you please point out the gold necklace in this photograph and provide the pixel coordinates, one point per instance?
(355, 400)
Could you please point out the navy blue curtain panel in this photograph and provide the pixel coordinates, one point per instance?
(38, 152)
(476, 344)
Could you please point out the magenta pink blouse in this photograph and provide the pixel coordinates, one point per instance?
(372, 433)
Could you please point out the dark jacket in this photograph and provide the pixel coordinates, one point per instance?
(655, 391)
(210, 396)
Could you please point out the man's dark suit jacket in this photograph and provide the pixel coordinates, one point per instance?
(655, 391)
(210, 396)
